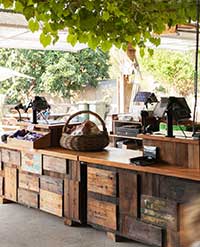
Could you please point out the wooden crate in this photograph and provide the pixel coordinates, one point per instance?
(10, 183)
(51, 202)
(102, 181)
(31, 162)
(10, 156)
(160, 212)
(28, 181)
(44, 141)
(140, 231)
(28, 198)
(102, 213)
(54, 164)
(54, 185)
(1, 185)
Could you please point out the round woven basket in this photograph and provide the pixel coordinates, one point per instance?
(92, 142)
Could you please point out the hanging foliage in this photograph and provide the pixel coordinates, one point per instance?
(104, 23)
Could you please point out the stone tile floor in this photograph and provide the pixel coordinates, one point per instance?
(25, 227)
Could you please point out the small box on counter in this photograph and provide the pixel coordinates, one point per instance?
(30, 139)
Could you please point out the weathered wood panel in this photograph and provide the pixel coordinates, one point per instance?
(140, 231)
(1, 185)
(28, 181)
(28, 198)
(31, 162)
(10, 183)
(11, 156)
(55, 164)
(74, 170)
(179, 190)
(160, 212)
(128, 193)
(54, 185)
(193, 156)
(51, 202)
(102, 213)
(102, 181)
(150, 184)
(172, 239)
(72, 199)
(181, 154)
(0, 160)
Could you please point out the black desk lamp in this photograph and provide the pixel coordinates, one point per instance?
(146, 98)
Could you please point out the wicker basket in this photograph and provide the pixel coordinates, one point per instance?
(93, 142)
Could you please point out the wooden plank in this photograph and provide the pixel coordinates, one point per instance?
(128, 193)
(28, 181)
(160, 212)
(54, 164)
(10, 183)
(181, 151)
(51, 202)
(31, 162)
(54, 185)
(1, 186)
(53, 174)
(1, 161)
(140, 231)
(71, 199)
(179, 190)
(102, 181)
(102, 213)
(11, 156)
(172, 239)
(193, 156)
(74, 170)
(28, 198)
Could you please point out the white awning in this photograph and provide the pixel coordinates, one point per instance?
(6, 73)
(14, 33)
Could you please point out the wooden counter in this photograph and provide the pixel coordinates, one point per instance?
(118, 158)
(104, 189)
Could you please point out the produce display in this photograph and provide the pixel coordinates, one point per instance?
(26, 135)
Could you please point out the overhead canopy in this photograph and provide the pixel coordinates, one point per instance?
(14, 33)
(6, 73)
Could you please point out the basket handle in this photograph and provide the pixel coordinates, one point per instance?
(81, 112)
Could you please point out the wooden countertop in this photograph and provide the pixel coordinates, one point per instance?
(160, 137)
(53, 151)
(119, 158)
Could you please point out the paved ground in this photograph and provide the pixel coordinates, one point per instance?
(23, 227)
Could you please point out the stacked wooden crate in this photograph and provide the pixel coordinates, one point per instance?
(52, 184)
(102, 197)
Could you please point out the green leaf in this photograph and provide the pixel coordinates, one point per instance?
(19, 6)
(105, 15)
(106, 45)
(7, 3)
(45, 39)
(142, 51)
(29, 12)
(150, 51)
(33, 25)
(72, 39)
